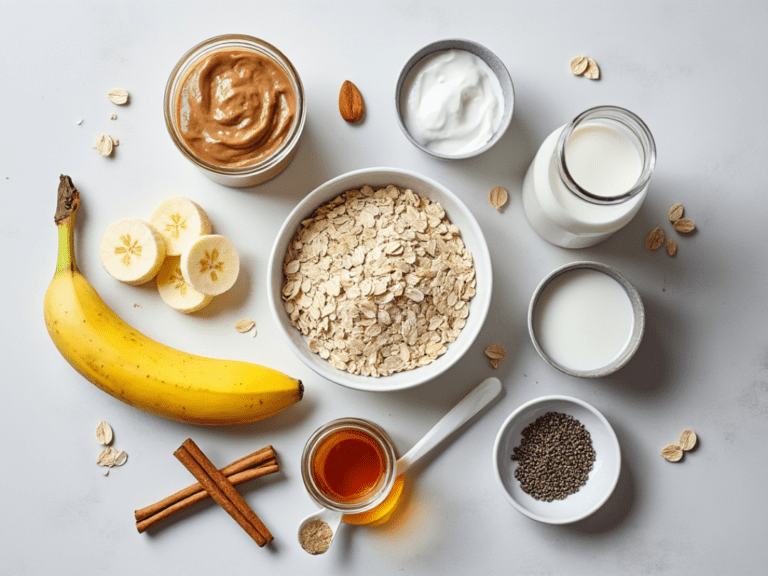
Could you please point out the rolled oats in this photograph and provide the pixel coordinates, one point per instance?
(684, 226)
(496, 354)
(379, 281)
(673, 452)
(688, 440)
(676, 212)
(579, 65)
(498, 196)
(104, 433)
(655, 239)
(118, 96)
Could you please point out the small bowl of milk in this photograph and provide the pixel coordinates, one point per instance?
(586, 319)
(454, 99)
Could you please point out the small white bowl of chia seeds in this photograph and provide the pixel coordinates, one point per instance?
(557, 459)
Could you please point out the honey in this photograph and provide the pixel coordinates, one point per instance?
(381, 513)
(349, 466)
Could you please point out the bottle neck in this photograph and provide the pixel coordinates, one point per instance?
(605, 155)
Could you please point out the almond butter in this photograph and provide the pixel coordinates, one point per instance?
(351, 104)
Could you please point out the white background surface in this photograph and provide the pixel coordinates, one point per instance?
(694, 71)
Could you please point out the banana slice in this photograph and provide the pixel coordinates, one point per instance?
(180, 221)
(210, 264)
(132, 251)
(175, 291)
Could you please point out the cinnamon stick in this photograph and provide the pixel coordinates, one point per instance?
(175, 506)
(220, 489)
(252, 460)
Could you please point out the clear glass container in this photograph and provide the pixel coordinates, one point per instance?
(589, 177)
(260, 171)
(314, 458)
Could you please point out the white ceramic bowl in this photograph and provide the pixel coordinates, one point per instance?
(471, 234)
(602, 478)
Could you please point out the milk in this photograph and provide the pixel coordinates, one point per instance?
(602, 160)
(584, 320)
(589, 177)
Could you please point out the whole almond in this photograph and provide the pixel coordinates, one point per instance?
(351, 103)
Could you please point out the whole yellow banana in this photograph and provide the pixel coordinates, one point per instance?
(135, 369)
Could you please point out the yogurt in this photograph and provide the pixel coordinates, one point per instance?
(452, 102)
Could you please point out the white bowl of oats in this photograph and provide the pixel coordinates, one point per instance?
(380, 279)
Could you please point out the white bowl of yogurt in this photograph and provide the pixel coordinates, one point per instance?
(586, 319)
(454, 99)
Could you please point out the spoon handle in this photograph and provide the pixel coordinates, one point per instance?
(470, 405)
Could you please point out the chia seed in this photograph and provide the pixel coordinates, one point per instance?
(554, 458)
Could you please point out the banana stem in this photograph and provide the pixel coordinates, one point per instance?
(66, 257)
(67, 204)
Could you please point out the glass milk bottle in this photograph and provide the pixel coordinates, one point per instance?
(589, 177)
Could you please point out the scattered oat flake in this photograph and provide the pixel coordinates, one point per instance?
(688, 440)
(593, 71)
(655, 239)
(496, 354)
(118, 96)
(107, 457)
(495, 351)
(579, 65)
(244, 325)
(676, 212)
(115, 141)
(498, 196)
(104, 433)
(671, 246)
(684, 226)
(121, 458)
(113, 117)
(672, 453)
(103, 144)
(136, 305)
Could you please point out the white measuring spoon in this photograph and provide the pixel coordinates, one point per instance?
(470, 405)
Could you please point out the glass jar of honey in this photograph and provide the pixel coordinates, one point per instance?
(348, 465)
